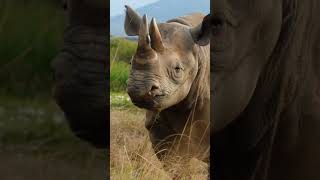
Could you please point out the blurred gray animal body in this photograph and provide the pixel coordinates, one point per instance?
(81, 72)
(265, 100)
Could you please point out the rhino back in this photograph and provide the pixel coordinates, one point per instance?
(190, 20)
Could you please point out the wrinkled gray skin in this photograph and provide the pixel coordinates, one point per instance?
(80, 71)
(265, 94)
(170, 78)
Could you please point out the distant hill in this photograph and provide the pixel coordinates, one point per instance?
(162, 10)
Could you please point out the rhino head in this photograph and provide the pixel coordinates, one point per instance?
(165, 64)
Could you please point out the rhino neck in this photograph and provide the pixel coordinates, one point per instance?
(199, 94)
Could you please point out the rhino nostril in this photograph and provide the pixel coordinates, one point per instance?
(154, 88)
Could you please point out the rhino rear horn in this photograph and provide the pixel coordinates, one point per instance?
(156, 40)
(132, 22)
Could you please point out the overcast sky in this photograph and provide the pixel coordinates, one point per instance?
(117, 6)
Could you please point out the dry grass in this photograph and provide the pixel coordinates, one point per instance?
(131, 153)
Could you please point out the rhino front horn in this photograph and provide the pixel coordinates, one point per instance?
(144, 46)
(144, 38)
(156, 40)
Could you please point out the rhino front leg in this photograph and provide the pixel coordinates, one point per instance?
(165, 142)
(81, 73)
(172, 162)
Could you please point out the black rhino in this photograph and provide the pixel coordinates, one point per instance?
(170, 78)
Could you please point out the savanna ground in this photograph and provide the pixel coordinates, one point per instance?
(131, 154)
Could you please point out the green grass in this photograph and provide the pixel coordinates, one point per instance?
(31, 33)
(119, 72)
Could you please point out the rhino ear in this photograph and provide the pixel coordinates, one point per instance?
(132, 22)
(201, 33)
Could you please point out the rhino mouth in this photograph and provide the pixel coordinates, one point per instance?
(150, 105)
(150, 100)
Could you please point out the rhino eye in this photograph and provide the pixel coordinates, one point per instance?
(178, 72)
